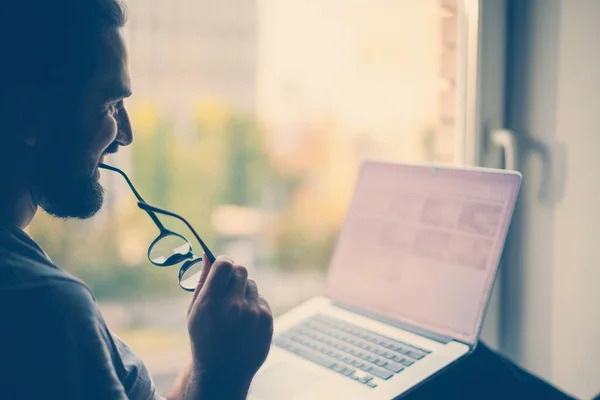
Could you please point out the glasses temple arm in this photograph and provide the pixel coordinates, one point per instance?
(146, 207)
(135, 193)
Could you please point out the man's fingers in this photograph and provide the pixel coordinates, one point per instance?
(251, 291)
(266, 315)
(206, 266)
(239, 280)
(218, 277)
(264, 303)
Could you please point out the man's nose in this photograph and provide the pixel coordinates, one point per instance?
(125, 133)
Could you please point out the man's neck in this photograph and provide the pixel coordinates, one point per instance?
(17, 207)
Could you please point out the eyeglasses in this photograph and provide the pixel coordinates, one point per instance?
(170, 248)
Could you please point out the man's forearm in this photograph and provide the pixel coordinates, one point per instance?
(203, 387)
(195, 386)
(181, 383)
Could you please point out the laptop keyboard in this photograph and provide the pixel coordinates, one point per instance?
(347, 349)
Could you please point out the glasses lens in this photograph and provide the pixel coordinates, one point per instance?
(170, 250)
(190, 274)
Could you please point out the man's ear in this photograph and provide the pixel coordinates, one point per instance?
(29, 118)
(28, 134)
(30, 141)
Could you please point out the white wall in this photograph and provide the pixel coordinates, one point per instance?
(576, 289)
(551, 288)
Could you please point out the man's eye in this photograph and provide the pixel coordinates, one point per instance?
(114, 108)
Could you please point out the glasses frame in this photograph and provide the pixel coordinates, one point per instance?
(190, 258)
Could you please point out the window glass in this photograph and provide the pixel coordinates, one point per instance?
(251, 119)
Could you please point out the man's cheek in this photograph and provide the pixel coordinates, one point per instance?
(105, 135)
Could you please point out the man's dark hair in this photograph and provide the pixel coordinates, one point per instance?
(48, 49)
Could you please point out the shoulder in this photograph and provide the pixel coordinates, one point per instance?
(24, 264)
(55, 312)
(53, 304)
(65, 297)
(64, 292)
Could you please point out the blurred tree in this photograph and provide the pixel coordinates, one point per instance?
(249, 169)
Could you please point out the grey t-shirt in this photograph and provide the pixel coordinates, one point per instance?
(54, 343)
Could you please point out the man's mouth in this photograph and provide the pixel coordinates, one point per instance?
(112, 149)
(96, 171)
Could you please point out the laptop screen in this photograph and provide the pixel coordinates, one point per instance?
(421, 245)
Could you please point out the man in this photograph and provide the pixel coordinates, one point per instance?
(64, 77)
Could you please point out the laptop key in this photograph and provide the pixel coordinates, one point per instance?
(395, 368)
(338, 367)
(381, 373)
(371, 384)
(397, 358)
(284, 342)
(315, 357)
(366, 367)
(380, 362)
(415, 355)
(406, 363)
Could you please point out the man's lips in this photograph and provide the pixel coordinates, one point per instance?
(113, 148)
(96, 172)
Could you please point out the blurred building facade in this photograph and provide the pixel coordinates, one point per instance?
(188, 51)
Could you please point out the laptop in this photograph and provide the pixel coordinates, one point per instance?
(407, 288)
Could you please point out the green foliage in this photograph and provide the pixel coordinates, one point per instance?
(247, 165)
(297, 249)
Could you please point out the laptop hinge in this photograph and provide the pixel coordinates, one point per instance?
(402, 325)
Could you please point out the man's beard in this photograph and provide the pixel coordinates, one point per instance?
(62, 185)
(66, 196)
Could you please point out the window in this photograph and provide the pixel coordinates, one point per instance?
(252, 124)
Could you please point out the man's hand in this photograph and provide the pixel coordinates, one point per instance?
(230, 328)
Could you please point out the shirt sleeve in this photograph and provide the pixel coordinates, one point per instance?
(61, 348)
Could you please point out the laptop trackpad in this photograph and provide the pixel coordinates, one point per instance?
(282, 381)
